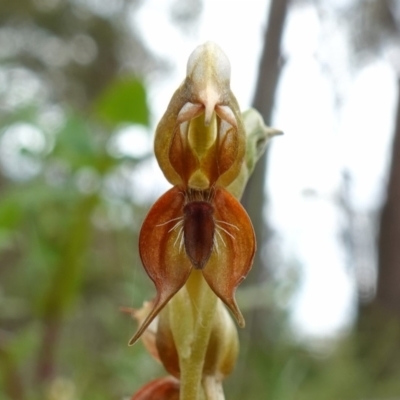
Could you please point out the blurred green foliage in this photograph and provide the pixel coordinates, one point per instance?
(68, 259)
(123, 101)
(68, 222)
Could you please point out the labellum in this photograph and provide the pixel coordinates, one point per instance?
(198, 231)
(218, 240)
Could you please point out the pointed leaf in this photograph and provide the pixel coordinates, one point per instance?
(149, 335)
(123, 101)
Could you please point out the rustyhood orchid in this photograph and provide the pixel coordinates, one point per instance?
(197, 224)
(197, 243)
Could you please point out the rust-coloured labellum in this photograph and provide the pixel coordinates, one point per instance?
(198, 232)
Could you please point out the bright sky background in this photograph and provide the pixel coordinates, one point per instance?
(320, 141)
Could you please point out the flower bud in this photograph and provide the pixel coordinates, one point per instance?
(258, 136)
(166, 388)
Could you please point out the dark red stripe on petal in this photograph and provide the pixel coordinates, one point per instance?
(198, 228)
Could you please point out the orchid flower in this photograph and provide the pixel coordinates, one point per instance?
(197, 242)
(200, 146)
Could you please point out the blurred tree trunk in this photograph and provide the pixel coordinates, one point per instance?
(378, 328)
(262, 325)
(388, 291)
(254, 199)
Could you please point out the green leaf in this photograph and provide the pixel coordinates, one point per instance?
(74, 143)
(123, 101)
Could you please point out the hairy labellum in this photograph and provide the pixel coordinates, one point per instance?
(200, 222)
(198, 232)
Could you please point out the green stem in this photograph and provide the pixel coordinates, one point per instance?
(63, 290)
(197, 303)
(13, 384)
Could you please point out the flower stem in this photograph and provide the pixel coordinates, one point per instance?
(192, 312)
